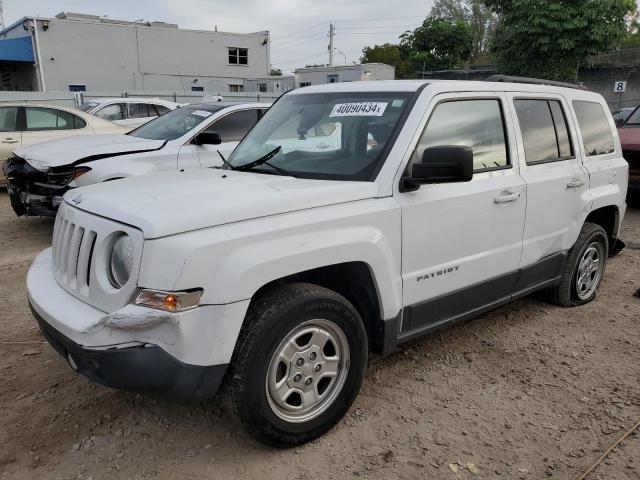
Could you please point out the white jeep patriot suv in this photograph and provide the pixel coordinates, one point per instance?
(281, 271)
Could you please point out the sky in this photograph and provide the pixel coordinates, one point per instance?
(299, 28)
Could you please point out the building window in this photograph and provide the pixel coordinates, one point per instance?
(238, 56)
(262, 87)
(236, 88)
(332, 79)
(77, 88)
(197, 89)
(305, 84)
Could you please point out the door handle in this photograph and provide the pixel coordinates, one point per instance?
(9, 140)
(506, 197)
(575, 183)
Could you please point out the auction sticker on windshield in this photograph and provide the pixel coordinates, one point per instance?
(201, 113)
(359, 109)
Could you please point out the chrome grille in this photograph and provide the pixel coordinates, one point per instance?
(72, 250)
(80, 247)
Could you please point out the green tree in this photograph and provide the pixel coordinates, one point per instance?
(450, 9)
(479, 16)
(550, 38)
(391, 55)
(438, 44)
(276, 72)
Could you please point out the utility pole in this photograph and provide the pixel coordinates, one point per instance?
(2, 15)
(332, 32)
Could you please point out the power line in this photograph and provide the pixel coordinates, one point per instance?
(304, 30)
(371, 33)
(306, 40)
(358, 20)
(299, 58)
(421, 17)
(381, 26)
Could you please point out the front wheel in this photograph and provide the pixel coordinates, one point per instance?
(584, 268)
(298, 364)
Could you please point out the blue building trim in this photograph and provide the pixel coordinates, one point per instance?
(16, 50)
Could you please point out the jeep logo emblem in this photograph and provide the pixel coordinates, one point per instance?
(77, 199)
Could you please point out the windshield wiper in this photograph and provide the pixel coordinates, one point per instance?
(262, 160)
(259, 161)
(224, 160)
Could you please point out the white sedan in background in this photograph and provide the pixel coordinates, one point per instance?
(128, 112)
(193, 136)
(24, 124)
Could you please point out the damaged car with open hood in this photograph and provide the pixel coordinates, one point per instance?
(194, 136)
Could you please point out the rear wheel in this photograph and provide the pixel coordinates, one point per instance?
(584, 268)
(298, 364)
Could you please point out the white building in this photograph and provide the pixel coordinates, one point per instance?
(85, 52)
(343, 73)
(276, 84)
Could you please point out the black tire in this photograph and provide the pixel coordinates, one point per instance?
(269, 321)
(565, 294)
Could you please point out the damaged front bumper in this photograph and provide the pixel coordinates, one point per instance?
(184, 355)
(37, 193)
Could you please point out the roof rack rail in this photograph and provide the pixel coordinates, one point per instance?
(534, 81)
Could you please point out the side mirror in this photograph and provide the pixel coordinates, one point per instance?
(619, 122)
(208, 138)
(442, 164)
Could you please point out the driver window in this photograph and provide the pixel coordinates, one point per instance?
(474, 123)
(233, 127)
(112, 112)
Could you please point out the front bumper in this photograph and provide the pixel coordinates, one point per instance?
(32, 192)
(139, 368)
(182, 354)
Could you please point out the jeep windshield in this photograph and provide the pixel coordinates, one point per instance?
(174, 124)
(332, 136)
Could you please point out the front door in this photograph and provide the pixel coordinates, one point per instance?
(232, 128)
(461, 242)
(556, 180)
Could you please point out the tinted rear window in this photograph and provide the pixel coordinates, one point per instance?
(595, 129)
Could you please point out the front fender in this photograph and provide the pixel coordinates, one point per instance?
(122, 166)
(231, 262)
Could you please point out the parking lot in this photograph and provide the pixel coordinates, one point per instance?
(527, 391)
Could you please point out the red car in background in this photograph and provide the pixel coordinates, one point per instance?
(629, 133)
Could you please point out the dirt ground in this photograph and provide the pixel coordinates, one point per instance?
(529, 391)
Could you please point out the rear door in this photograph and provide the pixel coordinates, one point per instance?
(10, 137)
(556, 182)
(42, 124)
(461, 242)
(605, 164)
(138, 114)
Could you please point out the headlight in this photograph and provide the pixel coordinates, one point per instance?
(121, 261)
(170, 301)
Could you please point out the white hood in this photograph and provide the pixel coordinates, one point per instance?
(64, 151)
(175, 202)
